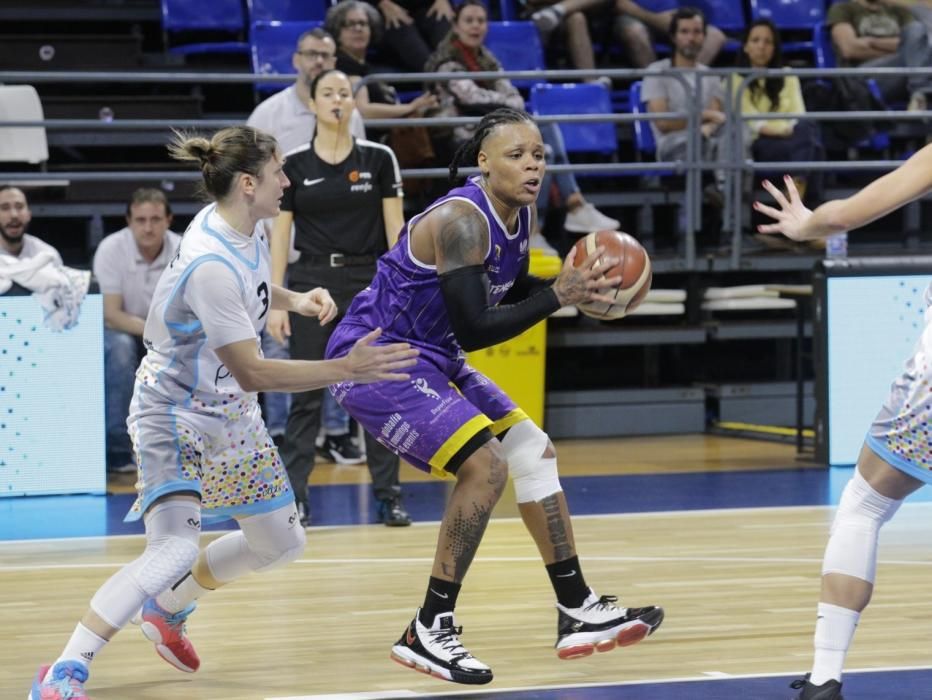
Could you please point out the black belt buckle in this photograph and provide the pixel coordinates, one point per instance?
(336, 259)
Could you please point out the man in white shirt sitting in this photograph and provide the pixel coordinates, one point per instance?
(127, 265)
(14, 220)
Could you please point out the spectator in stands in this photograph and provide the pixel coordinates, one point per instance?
(356, 25)
(883, 34)
(637, 29)
(668, 94)
(774, 139)
(14, 220)
(288, 117)
(414, 28)
(571, 18)
(286, 114)
(463, 50)
(128, 265)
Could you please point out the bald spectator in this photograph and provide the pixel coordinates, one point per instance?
(127, 265)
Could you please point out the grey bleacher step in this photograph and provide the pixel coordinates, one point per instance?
(69, 52)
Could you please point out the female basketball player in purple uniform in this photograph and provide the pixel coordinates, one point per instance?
(456, 281)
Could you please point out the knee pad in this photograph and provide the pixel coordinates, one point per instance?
(173, 529)
(264, 541)
(535, 477)
(852, 545)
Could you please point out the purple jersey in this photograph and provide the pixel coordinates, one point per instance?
(404, 298)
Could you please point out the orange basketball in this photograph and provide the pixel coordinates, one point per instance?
(633, 267)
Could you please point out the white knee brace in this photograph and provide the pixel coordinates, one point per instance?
(263, 542)
(852, 545)
(535, 476)
(172, 532)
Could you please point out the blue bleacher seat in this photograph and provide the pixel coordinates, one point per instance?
(213, 16)
(517, 46)
(578, 98)
(273, 46)
(727, 15)
(793, 15)
(644, 142)
(643, 136)
(659, 5)
(509, 10)
(788, 14)
(287, 10)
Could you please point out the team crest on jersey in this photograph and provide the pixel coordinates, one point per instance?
(422, 386)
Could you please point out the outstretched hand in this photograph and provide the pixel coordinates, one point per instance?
(588, 282)
(374, 363)
(792, 215)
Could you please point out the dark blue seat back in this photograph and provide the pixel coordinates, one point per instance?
(788, 14)
(643, 136)
(287, 10)
(272, 46)
(517, 46)
(212, 15)
(578, 98)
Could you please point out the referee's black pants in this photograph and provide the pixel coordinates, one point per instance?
(308, 342)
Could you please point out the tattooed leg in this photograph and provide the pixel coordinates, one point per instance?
(479, 484)
(548, 521)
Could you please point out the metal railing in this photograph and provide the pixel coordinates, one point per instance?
(734, 163)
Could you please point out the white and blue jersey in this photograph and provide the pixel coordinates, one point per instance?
(193, 427)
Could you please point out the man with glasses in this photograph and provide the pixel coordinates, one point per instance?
(286, 114)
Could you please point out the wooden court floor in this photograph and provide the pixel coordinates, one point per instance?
(739, 587)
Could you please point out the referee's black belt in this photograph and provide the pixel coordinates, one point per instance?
(337, 260)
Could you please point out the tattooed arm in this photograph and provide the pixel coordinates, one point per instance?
(461, 241)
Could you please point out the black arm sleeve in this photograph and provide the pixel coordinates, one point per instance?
(525, 285)
(476, 324)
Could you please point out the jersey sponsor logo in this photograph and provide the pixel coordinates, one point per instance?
(495, 289)
(356, 176)
(311, 183)
(523, 246)
(498, 252)
(221, 374)
(422, 386)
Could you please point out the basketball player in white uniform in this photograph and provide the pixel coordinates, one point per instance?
(202, 449)
(897, 455)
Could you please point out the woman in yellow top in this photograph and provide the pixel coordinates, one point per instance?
(774, 139)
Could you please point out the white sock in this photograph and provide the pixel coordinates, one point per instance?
(83, 646)
(834, 631)
(181, 595)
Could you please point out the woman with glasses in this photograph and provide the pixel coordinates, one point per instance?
(356, 25)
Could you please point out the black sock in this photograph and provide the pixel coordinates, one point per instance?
(568, 582)
(440, 598)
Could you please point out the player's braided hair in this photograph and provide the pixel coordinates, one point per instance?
(469, 151)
